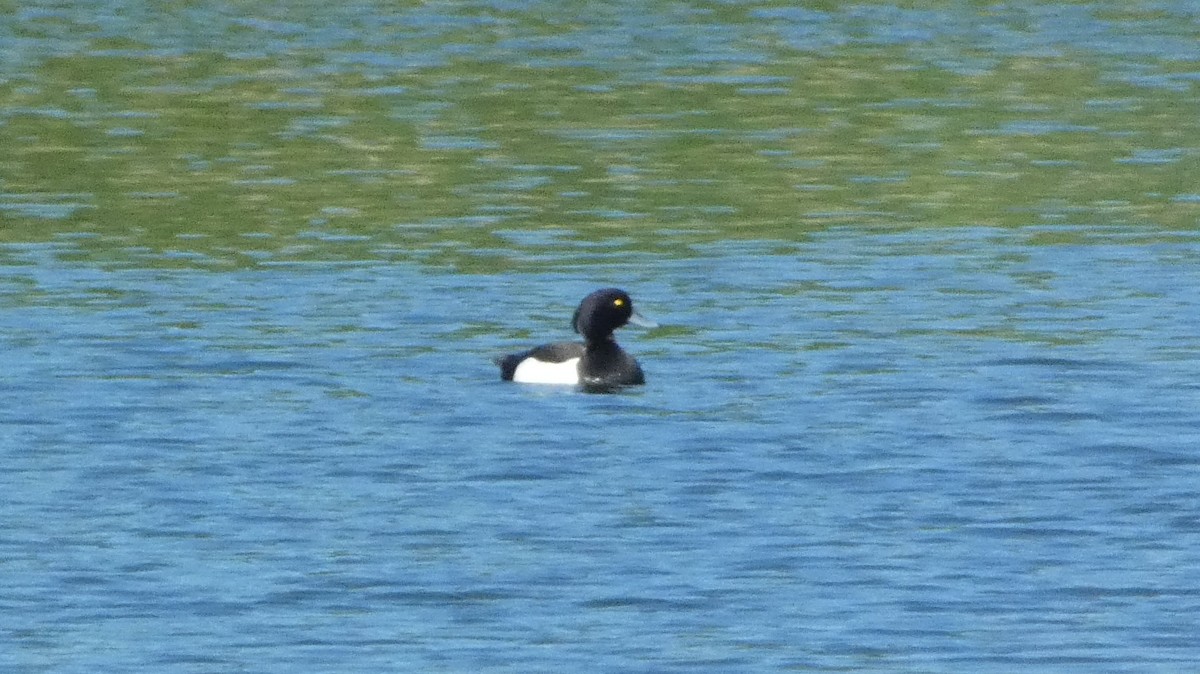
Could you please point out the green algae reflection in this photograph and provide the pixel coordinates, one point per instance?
(454, 149)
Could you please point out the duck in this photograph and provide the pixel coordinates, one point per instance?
(596, 364)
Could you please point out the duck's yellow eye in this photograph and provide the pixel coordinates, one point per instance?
(618, 302)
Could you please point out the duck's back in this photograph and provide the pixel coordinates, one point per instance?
(550, 363)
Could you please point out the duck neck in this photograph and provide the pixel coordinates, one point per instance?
(601, 345)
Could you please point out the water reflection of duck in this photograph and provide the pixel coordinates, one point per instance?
(597, 363)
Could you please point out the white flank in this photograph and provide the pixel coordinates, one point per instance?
(532, 371)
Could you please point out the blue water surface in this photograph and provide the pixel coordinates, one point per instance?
(939, 451)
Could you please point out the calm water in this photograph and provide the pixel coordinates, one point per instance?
(926, 394)
(935, 451)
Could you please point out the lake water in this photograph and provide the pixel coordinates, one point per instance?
(925, 395)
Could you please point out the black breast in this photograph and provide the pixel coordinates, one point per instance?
(605, 366)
